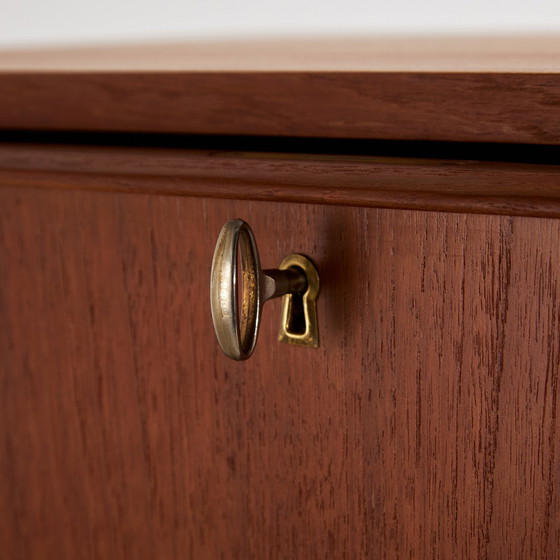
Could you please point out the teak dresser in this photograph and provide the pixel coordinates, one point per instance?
(422, 177)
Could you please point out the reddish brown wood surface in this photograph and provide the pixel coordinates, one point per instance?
(472, 107)
(425, 426)
(475, 89)
(442, 185)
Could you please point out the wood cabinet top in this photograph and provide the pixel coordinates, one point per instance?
(387, 54)
(502, 89)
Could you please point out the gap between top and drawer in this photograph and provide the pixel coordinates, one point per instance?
(490, 178)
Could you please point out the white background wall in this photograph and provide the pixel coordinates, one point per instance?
(36, 22)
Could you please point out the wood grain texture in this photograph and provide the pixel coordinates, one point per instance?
(424, 427)
(454, 106)
(387, 182)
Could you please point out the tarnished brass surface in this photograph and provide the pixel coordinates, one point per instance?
(300, 326)
(237, 331)
(236, 335)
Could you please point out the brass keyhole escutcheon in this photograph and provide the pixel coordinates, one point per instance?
(299, 311)
(236, 316)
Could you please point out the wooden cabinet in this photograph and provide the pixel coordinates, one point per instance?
(425, 424)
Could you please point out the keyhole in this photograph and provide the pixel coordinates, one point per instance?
(296, 315)
(299, 312)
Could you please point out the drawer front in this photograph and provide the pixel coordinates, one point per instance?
(424, 425)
